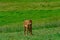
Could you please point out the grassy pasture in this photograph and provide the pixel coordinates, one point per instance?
(29, 0)
(45, 24)
(35, 15)
(38, 34)
(16, 6)
(45, 17)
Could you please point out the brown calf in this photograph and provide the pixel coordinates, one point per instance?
(28, 27)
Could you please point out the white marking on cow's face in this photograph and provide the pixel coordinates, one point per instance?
(26, 25)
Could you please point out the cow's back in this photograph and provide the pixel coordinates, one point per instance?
(26, 22)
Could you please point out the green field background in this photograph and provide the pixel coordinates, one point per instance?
(29, 0)
(45, 16)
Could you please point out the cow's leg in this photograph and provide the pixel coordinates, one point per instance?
(30, 29)
(26, 30)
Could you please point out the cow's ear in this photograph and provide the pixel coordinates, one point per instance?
(31, 20)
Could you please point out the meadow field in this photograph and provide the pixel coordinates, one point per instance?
(45, 17)
(29, 0)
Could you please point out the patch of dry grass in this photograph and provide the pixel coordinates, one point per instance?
(29, 6)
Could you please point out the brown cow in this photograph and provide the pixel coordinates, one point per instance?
(28, 27)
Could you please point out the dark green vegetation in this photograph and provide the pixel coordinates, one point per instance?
(45, 17)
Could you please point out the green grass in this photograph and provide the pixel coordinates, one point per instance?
(16, 6)
(46, 24)
(12, 21)
(39, 34)
(45, 17)
(35, 15)
(28, 0)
